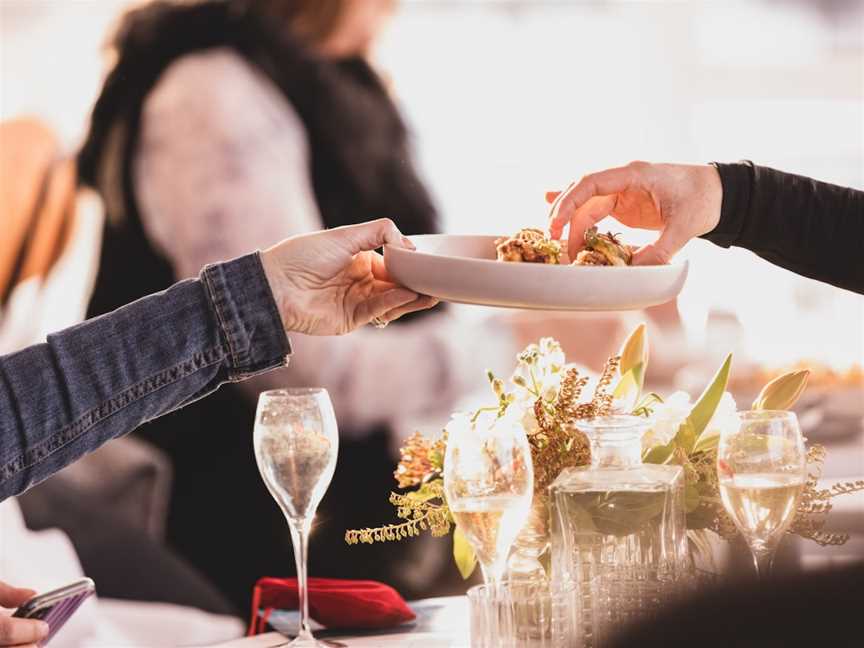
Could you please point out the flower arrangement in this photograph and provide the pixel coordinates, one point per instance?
(546, 394)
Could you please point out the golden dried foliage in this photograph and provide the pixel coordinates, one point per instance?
(557, 444)
(814, 504)
(420, 458)
(553, 451)
(601, 403)
(700, 472)
(568, 395)
(422, 511)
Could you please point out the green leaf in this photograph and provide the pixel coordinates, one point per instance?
(701, 518)
(436, 458)
(634, 351)
(463, 554)
(429, 490)
(579, 518)
(704, 408)
(630, 385)
(707, 442)
(659, 454)
(621, 514)
(686, 436)
(691, 498)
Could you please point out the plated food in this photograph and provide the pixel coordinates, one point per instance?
(467, 269)
(528, 246)
(533, 246)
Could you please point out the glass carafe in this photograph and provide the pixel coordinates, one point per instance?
(618, 528)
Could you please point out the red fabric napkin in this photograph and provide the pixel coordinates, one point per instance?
(334, 603)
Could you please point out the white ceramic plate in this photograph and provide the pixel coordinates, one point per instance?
(463, 269)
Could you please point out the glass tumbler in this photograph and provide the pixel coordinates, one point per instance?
(523, 614)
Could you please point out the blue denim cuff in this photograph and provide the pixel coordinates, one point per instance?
(247, 314)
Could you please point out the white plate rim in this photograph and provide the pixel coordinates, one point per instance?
(582, 268)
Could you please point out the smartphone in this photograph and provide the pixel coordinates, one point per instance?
(55, 607)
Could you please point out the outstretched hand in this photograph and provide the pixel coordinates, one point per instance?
(24, 633)
(681, 201)
(332, 282)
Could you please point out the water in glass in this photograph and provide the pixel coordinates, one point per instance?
(618, 528)
(296, 444)
(489, 483)
(761, 468)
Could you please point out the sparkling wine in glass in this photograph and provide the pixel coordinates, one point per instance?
(296, 443)
(761, 468)
(489, 483)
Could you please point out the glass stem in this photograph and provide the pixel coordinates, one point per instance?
(300, 539)
(493, 573)
(763, 559)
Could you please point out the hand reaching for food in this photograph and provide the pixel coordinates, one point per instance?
(681, 201)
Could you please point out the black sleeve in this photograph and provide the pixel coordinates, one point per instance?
(813, 228)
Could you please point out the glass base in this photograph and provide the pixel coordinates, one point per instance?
(312, 642)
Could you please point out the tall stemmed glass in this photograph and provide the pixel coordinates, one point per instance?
(761, 468)
(489, 483)
(296, 444)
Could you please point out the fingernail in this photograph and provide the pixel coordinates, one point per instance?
(42, 628)
(408, 244)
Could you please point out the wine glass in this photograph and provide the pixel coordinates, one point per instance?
(296, 443)
(761, 468)
(489, 483)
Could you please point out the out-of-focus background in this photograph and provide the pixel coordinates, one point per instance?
(508, 99)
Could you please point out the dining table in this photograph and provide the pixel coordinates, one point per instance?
(441, 622)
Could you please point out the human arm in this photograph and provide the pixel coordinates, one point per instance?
(224, 164)
(813, 228)
(19, 632)
(105, 377)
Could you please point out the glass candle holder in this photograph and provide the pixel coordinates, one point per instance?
(519, 614)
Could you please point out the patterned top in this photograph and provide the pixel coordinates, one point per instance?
(223, 168)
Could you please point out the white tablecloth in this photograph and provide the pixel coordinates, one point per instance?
(441, 623)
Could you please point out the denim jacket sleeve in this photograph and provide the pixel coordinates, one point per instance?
(105, 377)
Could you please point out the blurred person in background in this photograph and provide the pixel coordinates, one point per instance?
(229, 125)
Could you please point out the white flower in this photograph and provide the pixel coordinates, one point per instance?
(725, 419)
(551, 354)
(540, 369)
(550, 392)
(529, 421)
(459, 423)
(668, 417)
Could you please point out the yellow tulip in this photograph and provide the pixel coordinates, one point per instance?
(634, 350)
(782, 392)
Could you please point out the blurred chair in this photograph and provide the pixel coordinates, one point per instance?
(112, 503)
(48, 258)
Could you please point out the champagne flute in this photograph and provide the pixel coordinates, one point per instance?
(489, 483)
(761, 468)
(296, 443)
